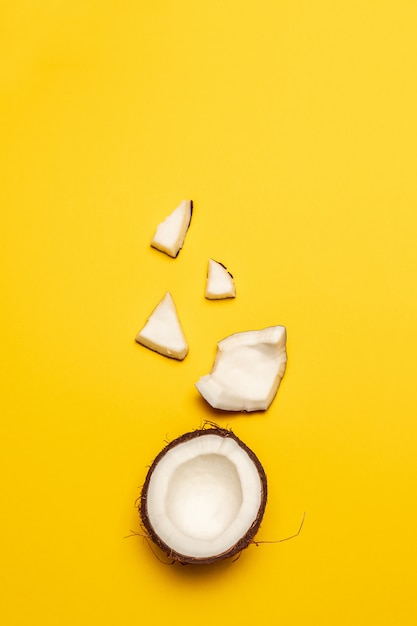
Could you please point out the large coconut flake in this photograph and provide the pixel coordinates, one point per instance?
(204, 497)
(247, 370)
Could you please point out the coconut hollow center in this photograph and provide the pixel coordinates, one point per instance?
(204, 496)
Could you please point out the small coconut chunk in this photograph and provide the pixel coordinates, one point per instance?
(170, 234)
(220, 283)
(247, 370)
(162, 331)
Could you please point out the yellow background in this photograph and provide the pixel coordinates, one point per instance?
(292, 125)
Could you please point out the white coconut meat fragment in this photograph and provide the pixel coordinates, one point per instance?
(170, 234)
(247, 370)
(204, 497)
(163, 332)
(220, 283)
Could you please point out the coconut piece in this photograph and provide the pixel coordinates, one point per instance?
(170, 234)
(220, 283)
(247, 370)
(162, 331)
(204, 497)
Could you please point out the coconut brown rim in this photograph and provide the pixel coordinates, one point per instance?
(244, 541)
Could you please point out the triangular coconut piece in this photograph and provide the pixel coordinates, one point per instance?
(170, 234)
(162, 331)
(220, 283)
(247, 370)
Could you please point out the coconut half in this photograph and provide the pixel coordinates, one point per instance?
(247, 370)
(204, 497)
(220, 283)
(163, 332)
(170, 234)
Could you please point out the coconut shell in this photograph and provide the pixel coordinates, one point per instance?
(244, 541)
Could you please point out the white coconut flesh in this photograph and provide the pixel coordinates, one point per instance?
(170, 234)
(247, 370)
(220, 283)
(163, 332)
(203, 496)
